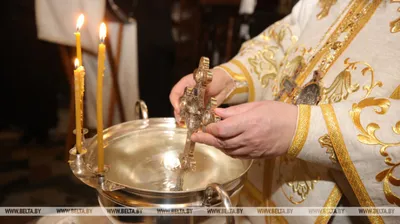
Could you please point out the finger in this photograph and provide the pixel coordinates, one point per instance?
(223, 144)
(234, 143)
(178, 90)
(208, 139)
(231, 147)
(236, 110)
(218, 94)
(220, 81)
(245, 152)
(177, 116)
(228, 128)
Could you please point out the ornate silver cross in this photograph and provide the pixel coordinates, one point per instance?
(193, 111)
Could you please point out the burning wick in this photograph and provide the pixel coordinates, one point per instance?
(79, 23)
(103, 32)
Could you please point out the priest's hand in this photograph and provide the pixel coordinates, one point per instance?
(253, 130)
(220, 87)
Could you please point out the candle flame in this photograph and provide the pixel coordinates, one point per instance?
(76, 63)
(103, 32)
(80, 21)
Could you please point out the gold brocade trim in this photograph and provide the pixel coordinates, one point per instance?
(363, 13)
(325, 7)
(249, 80)
(238, 90)
(345, 161)
(234, 75)
(238, 77)
(357, 9)
(395, 24)
(396, 94)
(326, 142)
(367, 136)
(332, 202)
(300, 137)
(299, 71)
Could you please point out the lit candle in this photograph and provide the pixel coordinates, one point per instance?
(100, 73)
(79, 74)
(79, 24)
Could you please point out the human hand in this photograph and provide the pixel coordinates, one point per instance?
(253, 130)
(219, 88)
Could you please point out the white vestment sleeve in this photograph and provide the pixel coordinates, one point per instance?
(359, 137)
(255, 67)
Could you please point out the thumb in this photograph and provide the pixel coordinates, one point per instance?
(235, 110)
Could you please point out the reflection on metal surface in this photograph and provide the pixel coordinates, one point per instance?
(141, 110)
(171, 161)
(143, 155)
(143, 169)
(138, 160)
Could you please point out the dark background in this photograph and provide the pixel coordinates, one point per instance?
(35, 92)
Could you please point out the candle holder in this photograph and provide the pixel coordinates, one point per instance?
(84, 132)
(88, 175)
(82, 169)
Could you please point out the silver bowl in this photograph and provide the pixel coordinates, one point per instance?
(142, 168)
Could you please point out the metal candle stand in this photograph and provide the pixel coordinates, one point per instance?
(83, 170)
